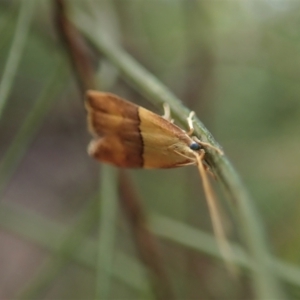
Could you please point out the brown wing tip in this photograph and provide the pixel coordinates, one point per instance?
(91, 95)
(95, 98)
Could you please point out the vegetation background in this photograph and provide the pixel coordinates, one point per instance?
(235, 63)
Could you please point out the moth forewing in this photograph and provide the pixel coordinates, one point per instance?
(114, 150)
(109, 114)
(114, 123)
(161, 138)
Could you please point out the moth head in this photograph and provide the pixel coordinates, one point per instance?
(195, 146)
(188, 149)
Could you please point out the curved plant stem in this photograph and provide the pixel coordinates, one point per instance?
(264, 282)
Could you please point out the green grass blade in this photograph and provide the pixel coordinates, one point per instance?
(20, 37)
(51, 236)
(49, 270)
(107, 230)
(31, 125)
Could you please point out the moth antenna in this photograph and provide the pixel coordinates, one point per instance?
(212, 203)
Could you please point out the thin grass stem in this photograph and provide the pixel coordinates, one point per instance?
(17, 47)
(108, 197)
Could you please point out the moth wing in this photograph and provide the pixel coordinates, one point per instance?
(109, 114)
(165, 144)
(118, 151)
(130, 136)
(115, 124)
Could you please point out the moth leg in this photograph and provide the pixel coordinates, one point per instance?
(167, 113)
(191, 130)
(190, 123)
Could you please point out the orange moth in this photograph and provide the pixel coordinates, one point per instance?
(129, 136)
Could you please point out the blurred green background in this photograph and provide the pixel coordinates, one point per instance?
(235, 63)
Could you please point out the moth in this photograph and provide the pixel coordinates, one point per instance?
(129, 136)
